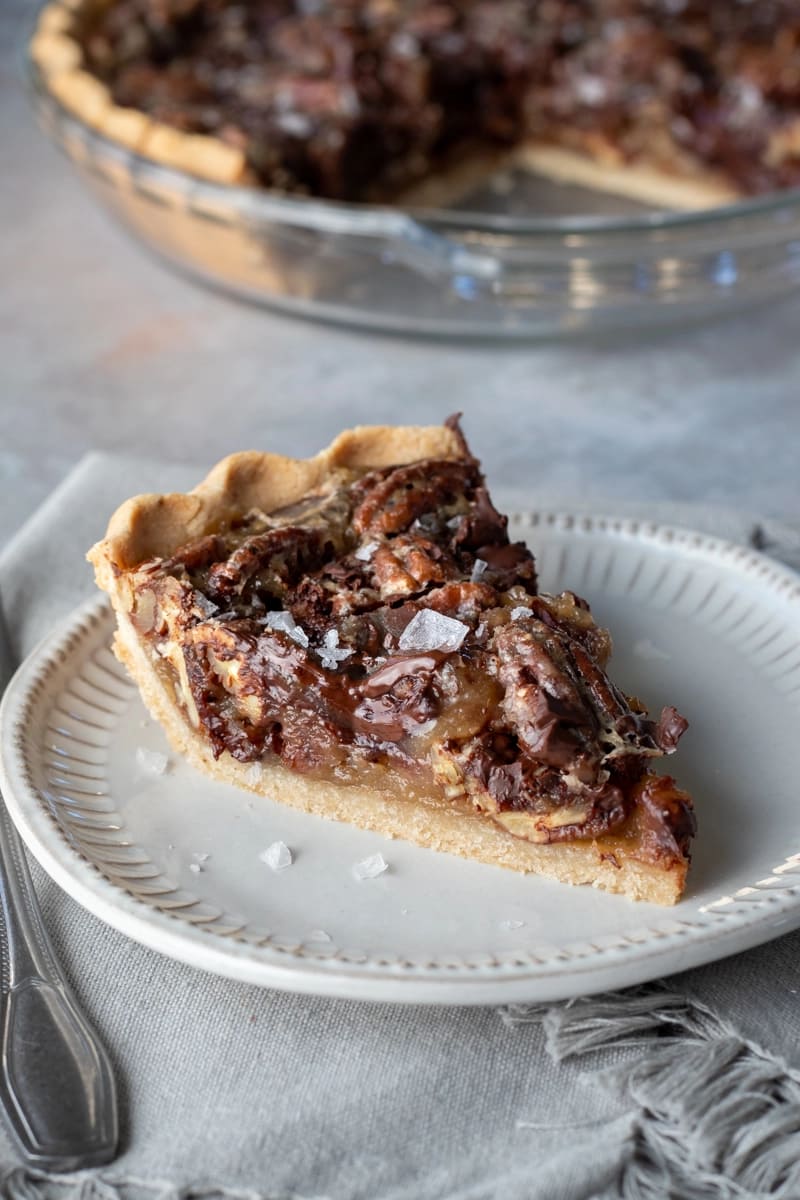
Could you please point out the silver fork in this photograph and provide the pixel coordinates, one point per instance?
(56, 1084)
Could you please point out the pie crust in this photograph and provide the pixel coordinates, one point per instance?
(57, 53)
(150, 528)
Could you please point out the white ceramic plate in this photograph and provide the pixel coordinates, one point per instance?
(705, 625)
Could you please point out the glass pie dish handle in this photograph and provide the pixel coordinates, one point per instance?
(421, 248)
(513, 272)
(394, 237)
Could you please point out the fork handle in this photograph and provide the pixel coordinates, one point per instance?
(56, 1083)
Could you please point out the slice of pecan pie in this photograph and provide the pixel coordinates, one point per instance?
(355, 635)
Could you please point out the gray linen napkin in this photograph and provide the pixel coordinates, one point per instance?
(688, 1089)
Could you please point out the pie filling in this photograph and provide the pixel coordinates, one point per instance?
(386, 632)
(334, 97)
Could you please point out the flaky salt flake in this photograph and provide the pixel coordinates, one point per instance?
(365, 553)
(592, 90)
(319, 935)
(278, 856)
(370, 868)
(284, 622)
(478, 570)
(429, 630)
(404, 45)
(253, 774)
(511, 924)
(520, 612)
(195, 867)
(296, 124)
(330, 653)
(649, 651)
(151, 762)
(453, 522)
(206, 606)
(202, 857)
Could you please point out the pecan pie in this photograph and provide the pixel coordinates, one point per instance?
(355, 635)
(680, 102)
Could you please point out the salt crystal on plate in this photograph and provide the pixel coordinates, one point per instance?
(520, 612)
(201, 858)
(511, 924)
(330, 654)
(365, 553)
(151, 762)
(285, 623)
(429, 630)
(278, 856)
(195, 867)
(370, 868)
(478, 570)
(318, 935)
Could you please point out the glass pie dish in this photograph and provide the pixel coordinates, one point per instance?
(517, 257)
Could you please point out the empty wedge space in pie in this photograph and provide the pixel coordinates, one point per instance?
(355, 635)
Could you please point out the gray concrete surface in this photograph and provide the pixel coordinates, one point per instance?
(102, 348)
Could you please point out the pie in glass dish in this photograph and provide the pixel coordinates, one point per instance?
(680, 103)
(355, 635)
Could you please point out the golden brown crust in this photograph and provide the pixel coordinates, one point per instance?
(127, 126)
(81, 94)
(206, 157)
(683, 188)
(680, 188)
(53, 50)
(155, 525)
(59, 57)
(55, 18)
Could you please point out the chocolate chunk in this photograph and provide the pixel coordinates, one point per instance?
(671, 727)
(665, 817)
